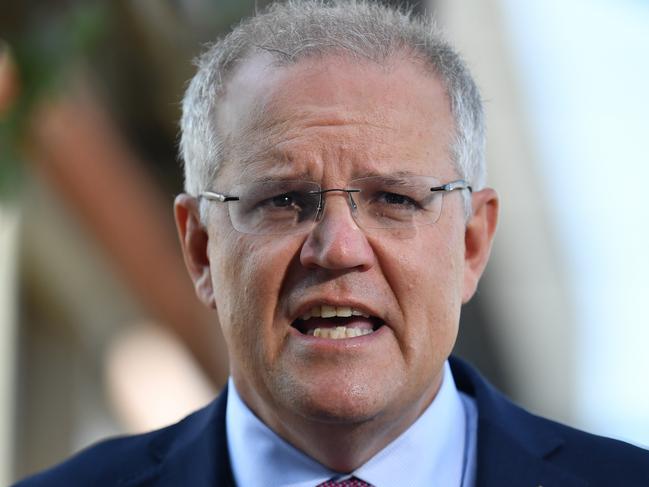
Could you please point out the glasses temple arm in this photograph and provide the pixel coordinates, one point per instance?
(221, 198)
(453, 185)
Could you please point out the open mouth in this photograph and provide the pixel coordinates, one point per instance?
(336, 322)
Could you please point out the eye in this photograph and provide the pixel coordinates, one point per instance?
(395, 199)
(283, 200)
(290, 201)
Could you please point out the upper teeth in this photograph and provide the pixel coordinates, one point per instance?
(326, 311)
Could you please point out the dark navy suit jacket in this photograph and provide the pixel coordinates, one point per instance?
(515, 448)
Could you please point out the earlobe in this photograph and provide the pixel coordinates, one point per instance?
(193, 241)
(478, 238)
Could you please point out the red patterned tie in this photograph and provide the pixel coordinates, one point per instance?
(352, 482)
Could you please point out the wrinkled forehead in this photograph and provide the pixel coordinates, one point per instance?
(331, 108)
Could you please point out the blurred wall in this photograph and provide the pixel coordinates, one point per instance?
(524, 288)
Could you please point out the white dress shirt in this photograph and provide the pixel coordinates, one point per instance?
(439, 449)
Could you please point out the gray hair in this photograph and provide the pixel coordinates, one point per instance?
(299, 29)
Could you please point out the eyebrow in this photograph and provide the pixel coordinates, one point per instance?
(273, 167)
(282, 176)
(393, 181)
(395, 177)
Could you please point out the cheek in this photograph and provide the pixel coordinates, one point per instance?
(425, 269)
(247, 272)
(426, 276)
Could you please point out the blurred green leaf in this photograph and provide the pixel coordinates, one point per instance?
(44, 55)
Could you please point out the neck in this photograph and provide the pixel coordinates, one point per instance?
(338, 444)
(342, 447)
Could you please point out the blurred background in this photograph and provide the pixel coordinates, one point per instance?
(100, 332)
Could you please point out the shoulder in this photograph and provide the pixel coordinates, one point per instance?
(106, 463)
(596, 459)
(140, 459)
(515, 442)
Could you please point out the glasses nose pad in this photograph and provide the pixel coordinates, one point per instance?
(320, 207)
(321, 202)
(352, 203)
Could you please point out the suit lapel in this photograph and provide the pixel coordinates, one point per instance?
(513, 445)
(199, 456)
(503, 460)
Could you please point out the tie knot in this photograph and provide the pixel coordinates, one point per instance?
(351, 482)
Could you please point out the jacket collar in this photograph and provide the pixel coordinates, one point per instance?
(513, 445)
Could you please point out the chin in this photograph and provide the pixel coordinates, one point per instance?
(334, 400)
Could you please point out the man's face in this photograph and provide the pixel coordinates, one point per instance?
(331, 120)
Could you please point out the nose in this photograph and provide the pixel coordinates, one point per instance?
(336, 242)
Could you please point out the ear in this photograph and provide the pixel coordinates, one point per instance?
(193, 241)
(478, 238)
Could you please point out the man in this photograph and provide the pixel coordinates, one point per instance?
(336, 218)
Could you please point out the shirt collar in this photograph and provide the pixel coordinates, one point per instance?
(260, 457)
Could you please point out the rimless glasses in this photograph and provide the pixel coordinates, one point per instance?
(279, 207)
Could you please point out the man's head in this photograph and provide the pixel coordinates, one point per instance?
(332, 94)
(293, 31)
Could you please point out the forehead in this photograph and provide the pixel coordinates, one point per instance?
(334, 114)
